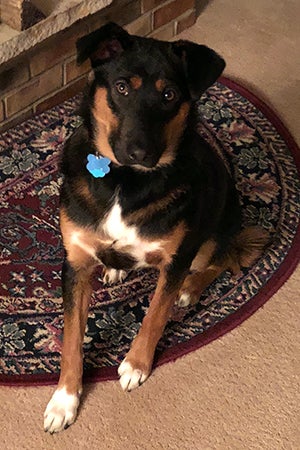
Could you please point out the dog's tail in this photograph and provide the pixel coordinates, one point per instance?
(247, 246)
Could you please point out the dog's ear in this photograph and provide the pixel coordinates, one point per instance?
(202, 65)
(103, 44)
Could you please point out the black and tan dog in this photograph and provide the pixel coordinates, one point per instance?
(141, 188)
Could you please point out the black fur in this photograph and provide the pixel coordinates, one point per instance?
(190, 69)
(174, 194)
(111, 258)
(208, 204)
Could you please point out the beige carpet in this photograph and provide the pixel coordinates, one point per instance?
(241, 391)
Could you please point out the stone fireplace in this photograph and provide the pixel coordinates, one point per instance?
(38, 67)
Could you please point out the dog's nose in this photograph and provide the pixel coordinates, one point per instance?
(137, 155)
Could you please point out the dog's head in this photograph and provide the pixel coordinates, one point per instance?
(141, 92)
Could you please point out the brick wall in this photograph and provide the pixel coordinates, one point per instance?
(48, 75)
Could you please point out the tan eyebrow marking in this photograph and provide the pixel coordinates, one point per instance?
(136, 82)
(160, 84)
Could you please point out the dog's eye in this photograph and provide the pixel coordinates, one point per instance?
(122, 87)
(169, 95)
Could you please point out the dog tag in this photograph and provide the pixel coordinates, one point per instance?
(98, 166)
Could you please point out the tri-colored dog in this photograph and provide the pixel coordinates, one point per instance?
(141, 188)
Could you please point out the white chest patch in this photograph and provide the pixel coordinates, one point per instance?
(116, 228)
(123, 235)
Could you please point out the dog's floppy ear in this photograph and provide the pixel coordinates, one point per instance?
(202, 65)
(103, 44)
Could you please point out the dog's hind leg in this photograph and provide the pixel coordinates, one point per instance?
(195, 283)
(201, 275)
(245, 249)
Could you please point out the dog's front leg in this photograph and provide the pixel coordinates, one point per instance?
(136, 367)
(61, 411)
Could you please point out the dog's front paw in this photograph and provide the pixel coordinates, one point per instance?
(111, 276)
(61, 411)
(131, 377)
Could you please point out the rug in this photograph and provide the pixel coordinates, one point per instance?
(263, 159)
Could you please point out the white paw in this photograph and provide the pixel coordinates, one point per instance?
(130, 378)
(112, 276)
(61, 411)
(183, 300)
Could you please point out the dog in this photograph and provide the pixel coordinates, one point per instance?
(142, 189)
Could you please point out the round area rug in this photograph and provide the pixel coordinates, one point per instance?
(262, 158)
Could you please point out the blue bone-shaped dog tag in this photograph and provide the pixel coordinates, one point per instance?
(98, 166)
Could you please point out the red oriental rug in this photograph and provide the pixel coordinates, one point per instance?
(263, 159)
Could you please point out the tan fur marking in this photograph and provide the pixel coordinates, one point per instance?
(106, 123)
(195, 283)
(143, 214)
(203, 272)
(173, 241)
(204, 255)
(173, 132)
(154, 258)
(160, 85)
(136, 82)
(83, 190)
(81, 244)
(75, 319)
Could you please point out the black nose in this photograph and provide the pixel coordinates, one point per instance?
(137, 155)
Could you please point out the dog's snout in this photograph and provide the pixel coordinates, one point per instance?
(137, 154)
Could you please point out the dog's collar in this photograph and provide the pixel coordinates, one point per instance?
(97, 165)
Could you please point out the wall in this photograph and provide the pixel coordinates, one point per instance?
(48, 74)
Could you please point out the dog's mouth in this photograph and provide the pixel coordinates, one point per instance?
(143, 165)
(147, 164)
(136, 157)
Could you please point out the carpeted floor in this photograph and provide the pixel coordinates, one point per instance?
(241, 391)
(261, 156)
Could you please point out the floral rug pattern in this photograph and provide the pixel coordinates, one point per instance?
(31, 251)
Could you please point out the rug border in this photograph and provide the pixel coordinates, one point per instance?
(229, 323)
